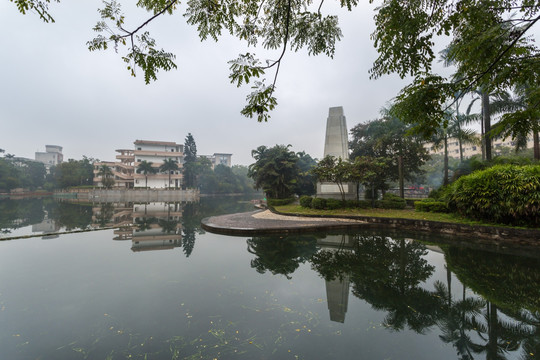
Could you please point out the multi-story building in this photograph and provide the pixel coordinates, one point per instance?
(125, 169)
(52, 156)
(470, 150)
(219, 159)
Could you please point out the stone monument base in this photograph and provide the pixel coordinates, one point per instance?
(330, 190)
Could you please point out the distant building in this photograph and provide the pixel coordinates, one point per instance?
(219, 159)
(51, 157)
(469, 150)
(125, 168)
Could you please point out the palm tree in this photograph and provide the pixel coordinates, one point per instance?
(146, 168)
(106, 173)
(168, 166)
(453, 130)
(520, 118)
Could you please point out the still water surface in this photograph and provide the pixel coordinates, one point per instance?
(159, 287)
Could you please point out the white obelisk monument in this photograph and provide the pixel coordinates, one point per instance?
(337, 145)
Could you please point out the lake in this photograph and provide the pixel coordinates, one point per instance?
(154, 285)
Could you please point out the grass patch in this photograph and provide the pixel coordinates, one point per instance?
(388, 213)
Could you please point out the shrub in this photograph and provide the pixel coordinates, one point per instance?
(391, 201)
(439, 194)
(305, 201)
(508, 194)
(431, 205)
(318, 203)
(279, 202)
(364, 204)
(332, 204)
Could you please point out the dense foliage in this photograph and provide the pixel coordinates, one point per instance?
(21, 174)
(73, 173)
(280, 172)
(388, 140)
(224, 179)
(507, 194)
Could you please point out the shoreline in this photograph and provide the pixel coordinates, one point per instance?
(242, 224)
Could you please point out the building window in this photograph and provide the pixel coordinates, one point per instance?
(138, 148)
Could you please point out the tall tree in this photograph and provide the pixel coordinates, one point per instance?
(169, 165)
(453, 130)
(521, 118)
(145, 167)
(190, 162)
(274, 170)
(388, 138)
(305, 183)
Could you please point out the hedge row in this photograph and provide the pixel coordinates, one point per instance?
(389, 201)
(431, 205)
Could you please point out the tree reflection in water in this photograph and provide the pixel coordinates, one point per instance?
(281, 255)
(510, 286)
(502, 318)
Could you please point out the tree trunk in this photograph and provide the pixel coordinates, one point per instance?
(445, 176)
(459, 133)
(401, 182)
(486, 117)
(536, 145)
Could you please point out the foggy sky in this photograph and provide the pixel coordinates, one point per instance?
(54, 91)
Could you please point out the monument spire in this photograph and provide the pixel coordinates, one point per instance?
(337, 142)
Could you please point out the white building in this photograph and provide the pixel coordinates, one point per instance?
(157, 152)
(469, 150)
(125, 173)
(219, 159)
(52, 156)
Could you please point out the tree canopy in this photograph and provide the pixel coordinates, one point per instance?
(386, 138)
(490, 43)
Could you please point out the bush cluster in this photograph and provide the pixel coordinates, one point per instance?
(391, 201)
(431, 205)
(305, 201)
(508, 194)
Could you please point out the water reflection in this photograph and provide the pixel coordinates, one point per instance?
(495, 313)
(470, 303)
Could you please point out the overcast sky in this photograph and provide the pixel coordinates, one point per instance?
(54, 91)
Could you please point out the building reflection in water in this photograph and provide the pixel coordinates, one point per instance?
(337, 290)
(47, 226)
(149, 226)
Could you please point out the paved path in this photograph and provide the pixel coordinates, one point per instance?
(265, 222)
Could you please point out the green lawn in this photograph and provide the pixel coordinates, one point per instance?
(398, 214)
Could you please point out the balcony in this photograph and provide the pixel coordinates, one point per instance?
(168, 154)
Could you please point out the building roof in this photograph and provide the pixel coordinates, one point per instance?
(150, 142)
